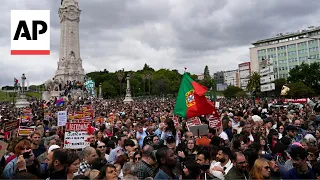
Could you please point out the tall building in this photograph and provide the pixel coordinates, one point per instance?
(244, 74)
(219, 77)
(287, 50)
(70, 64)
(231, 78)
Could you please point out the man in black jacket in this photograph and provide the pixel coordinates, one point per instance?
(57, 164)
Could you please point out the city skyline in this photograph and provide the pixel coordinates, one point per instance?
(164, 34)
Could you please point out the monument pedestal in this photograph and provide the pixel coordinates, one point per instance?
(128, 99)
(22, 101)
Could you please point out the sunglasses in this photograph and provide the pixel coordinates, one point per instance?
(267, 168)
(311, 154)
(138, 159)
(101, 146)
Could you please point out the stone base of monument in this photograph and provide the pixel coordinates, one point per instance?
(22, 102)
(46, 96)
(128, 99)
(55, 93)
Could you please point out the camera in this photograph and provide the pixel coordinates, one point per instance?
(26, 155)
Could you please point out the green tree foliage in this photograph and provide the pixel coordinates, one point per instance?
(254, 82)
(207, 80)
(307, 74)
(300, 90)
(162, 82)
(233, 91)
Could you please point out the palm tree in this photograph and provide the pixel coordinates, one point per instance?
(254, 82)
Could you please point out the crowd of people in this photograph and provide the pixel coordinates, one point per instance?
(257, 140)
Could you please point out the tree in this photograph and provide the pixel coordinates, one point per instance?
(207, 80)
(254, 82)
(105, 71)
(120, 76)
(108, 90)
(308, 74)
(232, 91)
(300, 90)
(146, 67)
(241, 94)
(162, 81)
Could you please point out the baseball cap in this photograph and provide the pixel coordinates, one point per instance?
(53, 147)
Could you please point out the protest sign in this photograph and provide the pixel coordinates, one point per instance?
(214, 120)
(25, 131)
(47, 116)
(11, 125)
(62, 118)
(76, 140)
(77, 126)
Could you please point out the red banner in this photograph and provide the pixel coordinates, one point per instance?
(77, 126)
(302, 100)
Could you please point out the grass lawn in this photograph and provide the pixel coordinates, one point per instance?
(6, 96)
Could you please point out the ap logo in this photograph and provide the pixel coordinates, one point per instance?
(30, 32)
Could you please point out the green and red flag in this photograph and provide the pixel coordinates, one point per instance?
(191, 100)
(15, 80)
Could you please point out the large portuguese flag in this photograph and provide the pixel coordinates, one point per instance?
(191, 100)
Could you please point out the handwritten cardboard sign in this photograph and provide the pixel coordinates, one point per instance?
(76, 140)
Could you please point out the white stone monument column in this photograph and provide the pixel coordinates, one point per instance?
(100, 91)
(22, 101)
(128, 99)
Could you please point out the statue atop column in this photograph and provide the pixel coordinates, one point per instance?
(22, 101)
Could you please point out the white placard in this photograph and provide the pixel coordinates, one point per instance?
(76, 140)
(268, 87)
(266, 70)
(266, 79)
(217, 104)
(62, 118)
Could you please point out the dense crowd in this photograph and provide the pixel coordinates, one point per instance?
(257, 140)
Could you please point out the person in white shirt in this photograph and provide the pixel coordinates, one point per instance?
(222, 167)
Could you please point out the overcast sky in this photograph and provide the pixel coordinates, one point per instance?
(173, 34)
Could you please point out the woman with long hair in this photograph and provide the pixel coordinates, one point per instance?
(227, 128)
(169, 130)
(190, 151)
(260, 170)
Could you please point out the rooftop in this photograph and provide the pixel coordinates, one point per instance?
(288, 36)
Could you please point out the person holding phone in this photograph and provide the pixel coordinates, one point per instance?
(24, 162)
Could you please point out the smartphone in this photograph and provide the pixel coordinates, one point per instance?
(26, 155)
